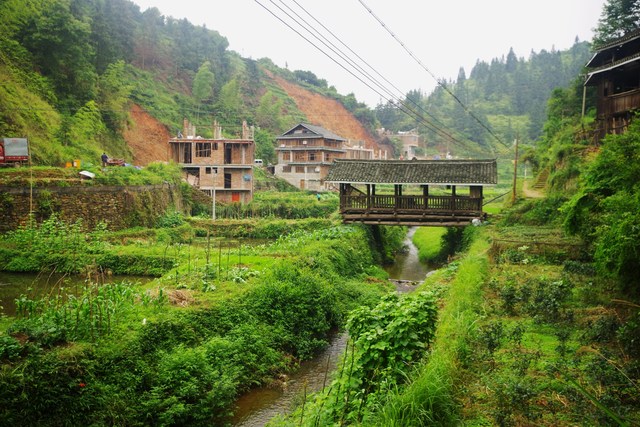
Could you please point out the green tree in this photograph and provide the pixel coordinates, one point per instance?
(87, 131)
(113, 96)
(618, 18)
(269, 112)
(230, 102)
(203, 84)
(606, 212)
(61, 49)
(264, 146)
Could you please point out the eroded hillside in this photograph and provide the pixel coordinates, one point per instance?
(327, 113)
(146, 137)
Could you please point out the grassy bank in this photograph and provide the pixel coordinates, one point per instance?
(428, 240)
(430, 398)
(180, 349)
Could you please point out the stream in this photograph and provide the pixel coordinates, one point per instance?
(258, 406)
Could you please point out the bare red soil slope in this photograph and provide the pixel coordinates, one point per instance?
(147, 138)
(327, 112)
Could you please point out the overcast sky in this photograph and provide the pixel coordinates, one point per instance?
(442, 35)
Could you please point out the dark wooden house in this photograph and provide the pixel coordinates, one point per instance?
(614, 70)
(415, 192)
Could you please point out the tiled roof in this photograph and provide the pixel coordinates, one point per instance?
(618, 41)
(455, 172)
(317, 130)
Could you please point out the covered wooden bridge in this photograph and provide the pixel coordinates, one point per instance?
(415, 192)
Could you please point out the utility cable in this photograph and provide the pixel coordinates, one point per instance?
(327, 43)
(403, 106)
(335, 49)
(440, 83)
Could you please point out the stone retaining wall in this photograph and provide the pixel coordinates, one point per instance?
(119, 206)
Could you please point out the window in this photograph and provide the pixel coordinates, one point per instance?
(299, 169)
(286, 156)
(312, 156)
(286, 169)
(203, 149)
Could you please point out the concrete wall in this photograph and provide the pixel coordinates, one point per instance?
(119, 206)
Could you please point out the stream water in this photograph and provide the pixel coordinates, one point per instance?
(258, 406)
(13, 285)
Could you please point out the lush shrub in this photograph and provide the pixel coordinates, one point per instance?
(188, 390)
(535, 211)
(606, 210)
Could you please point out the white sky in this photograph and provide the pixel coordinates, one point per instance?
(443, 35)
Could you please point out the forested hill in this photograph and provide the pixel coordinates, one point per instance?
(507, 94)
(83, 76)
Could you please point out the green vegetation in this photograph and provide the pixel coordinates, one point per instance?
(294, 205)
(386, 341)
(508, 95)
(43, 176)
(428, 242)
(537, 324)
(180, 349)
(430, 398)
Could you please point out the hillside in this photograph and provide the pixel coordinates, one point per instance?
(108, 77)
(327, 112)
(146, 137)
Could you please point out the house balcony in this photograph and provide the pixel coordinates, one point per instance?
(619, 103)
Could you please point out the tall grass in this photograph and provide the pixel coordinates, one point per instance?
(431, 398)
(428, 241)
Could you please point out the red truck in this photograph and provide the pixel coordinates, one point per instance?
(13, 151)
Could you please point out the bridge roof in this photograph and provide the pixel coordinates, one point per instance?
(419, 172)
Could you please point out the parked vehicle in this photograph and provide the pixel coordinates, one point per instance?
(13, 151)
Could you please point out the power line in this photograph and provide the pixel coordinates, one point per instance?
(403, 106)
(440, 83)
(396, 98)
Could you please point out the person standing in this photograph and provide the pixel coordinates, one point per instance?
(105, 159)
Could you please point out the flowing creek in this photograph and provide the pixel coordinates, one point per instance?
(258, 406)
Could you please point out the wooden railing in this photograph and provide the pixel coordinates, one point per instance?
(380, 203)
(620, 103)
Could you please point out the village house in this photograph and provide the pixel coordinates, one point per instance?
(409, 142)
(218, 166)
(614, 70)
(306, 151)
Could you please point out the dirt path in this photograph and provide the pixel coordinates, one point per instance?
(531, 193)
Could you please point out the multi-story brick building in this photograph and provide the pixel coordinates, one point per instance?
(223, 166)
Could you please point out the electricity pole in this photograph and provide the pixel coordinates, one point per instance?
(515, 171)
